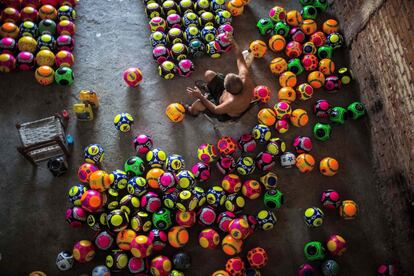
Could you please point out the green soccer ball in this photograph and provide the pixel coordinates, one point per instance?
(134, 166)
(265, 26)
(162, 219)
(338, 115)
(322, 132)
(309, 12)
(325, 52)
(314, 251)
(321, 5)
(296, 66)
(281, 28)
(64, 76)
(273, 199)
(356, 110)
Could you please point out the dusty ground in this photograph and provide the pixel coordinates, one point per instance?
(113, 36)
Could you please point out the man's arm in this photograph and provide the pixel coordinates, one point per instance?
(241, 63)
(216, 109)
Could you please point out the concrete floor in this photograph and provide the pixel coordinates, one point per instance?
(113, 36)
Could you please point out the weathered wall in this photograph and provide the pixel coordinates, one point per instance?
(381, 41)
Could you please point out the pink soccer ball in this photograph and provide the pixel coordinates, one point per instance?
(75, 216)
(92, 201)
(132, 76)
(65, 42)
(83, 251)
(167, 182)
(104, 240)
(282, 126)
(143, 144)
(302, 144)
(25, 61)
(161, 266)
(160, 54)
(247, 143)
(224, 219)
(206, 216)
(231, 183)
(64, 58)
(225, 28)
(185, 68)
(201, 171)
(7, 63)
(7, 45)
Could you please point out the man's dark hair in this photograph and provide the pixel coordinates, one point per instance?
(233, 84)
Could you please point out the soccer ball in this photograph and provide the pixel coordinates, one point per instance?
(216, 196)
(174, 163)
(245, 165)
(226, 145)
(75, 194)
(201, 172)
(276, 146)
(269, 180)
(207, 153)
(302, 144)
(247, 143)
(101, 270)
(313, 217)
(321, 109)
(64, 260)
(336, 245)
(143, 144)
(261, 133)
(257, 257)
(330, 199)
(185, 180)
(265, 161)
(156, 158)
(287, 160)
(123, 122)
(225, 164)
(120, 179)
(64, 76)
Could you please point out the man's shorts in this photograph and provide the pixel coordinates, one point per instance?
(216, 89)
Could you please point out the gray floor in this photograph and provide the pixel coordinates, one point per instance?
(112, 36)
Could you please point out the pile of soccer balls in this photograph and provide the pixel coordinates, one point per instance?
(180, 31)
(153, 201)
(257, 258)
(38, 33)
(309, 51)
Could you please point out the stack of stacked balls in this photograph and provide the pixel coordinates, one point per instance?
(38, 33)
(181, 30)
(309, 51)
(153, 201)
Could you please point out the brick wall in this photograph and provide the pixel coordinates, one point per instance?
(381, 43)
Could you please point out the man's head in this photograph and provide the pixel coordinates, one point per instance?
(233, 84)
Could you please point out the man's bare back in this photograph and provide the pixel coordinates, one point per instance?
(239, 103)
(231, 104)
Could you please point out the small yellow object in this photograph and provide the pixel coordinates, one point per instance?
(83, 111)
(89, 97)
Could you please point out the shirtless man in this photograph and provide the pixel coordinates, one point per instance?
(225, 97)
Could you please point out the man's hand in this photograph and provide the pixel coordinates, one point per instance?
(195, 92)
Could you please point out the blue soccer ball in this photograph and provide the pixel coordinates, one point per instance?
(174, 163)
(185, 180)
(75, 194)
(192, 33)
(197, 48)
(94, 154)
(120, 179)
(137, 186)
(156, 158)
(261, 133)
(208, 33)
(313, 217)
(245, 165)
(123, 122)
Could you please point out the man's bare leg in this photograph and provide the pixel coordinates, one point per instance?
(196, 108)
